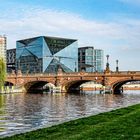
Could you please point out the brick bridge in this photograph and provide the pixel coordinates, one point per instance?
(71, 81)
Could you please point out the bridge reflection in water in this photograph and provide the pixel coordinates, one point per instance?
(69, 82)
(23, 112)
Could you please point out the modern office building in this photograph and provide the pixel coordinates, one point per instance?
(46, 54)
(3, 46)
(11, 60)
(90, 59)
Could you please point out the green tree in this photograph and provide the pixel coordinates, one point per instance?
(2, 72)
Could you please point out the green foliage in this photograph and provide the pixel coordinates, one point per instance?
(120, 124)
(2, 72)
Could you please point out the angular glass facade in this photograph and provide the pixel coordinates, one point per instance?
(90, 59)
(46, 54)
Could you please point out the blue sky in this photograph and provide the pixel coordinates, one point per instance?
(111, 25)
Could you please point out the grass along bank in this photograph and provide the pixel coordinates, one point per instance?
(120, 124)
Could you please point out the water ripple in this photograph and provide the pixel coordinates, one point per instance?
(24, 112)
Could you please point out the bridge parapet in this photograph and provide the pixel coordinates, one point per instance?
(64, 79)
(126, 72)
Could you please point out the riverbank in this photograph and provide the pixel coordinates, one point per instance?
(118, 124)
(11, 89)
(98, 89)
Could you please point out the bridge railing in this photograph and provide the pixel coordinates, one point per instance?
(51, 74)
(126, 72)
(74, 74)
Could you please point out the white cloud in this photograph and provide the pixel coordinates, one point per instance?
(111, 36)
(47, 21)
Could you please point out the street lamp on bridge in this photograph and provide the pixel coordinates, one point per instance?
(107, 65)
(117, 68)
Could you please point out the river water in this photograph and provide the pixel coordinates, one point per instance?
(24, 112)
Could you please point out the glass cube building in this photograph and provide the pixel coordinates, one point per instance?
(46, 54)
(90, 59)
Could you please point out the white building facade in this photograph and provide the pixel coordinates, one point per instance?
(3, 45)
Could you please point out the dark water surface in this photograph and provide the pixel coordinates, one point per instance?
(24, 112)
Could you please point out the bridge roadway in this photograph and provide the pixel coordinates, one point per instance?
(68, 82)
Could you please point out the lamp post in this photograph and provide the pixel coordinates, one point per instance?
(117, 68)
(27, 69)
(107, 64)
(75, 66)
(107, 56)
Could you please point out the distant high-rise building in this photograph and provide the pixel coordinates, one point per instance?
(90, 59)
(46, 54)
(11, 60)
(3, 47)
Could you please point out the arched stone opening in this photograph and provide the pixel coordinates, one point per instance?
(74, 86)
(117, 87)
(7, 83)
(39, 87)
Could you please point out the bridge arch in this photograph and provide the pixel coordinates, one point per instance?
(8, 83)
(38, 86)
(74, 85)
(117, 86)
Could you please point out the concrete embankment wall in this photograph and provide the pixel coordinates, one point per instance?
(97, 88)
(11, 89)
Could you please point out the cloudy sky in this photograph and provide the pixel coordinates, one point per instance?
(111, 25)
